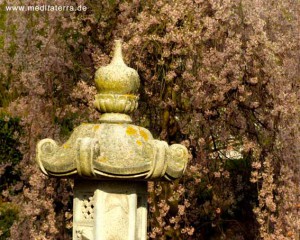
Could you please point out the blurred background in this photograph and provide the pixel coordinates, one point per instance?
(221, 77)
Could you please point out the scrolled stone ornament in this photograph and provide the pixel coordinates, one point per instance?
(177, 158)
(93, 156)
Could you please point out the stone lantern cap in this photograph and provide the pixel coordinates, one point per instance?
(113, 148)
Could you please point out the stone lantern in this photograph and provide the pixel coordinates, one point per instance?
(111, 161)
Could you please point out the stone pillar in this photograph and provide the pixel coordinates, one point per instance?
(112, 161)
(110, 210)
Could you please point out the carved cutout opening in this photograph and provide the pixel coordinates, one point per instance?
(88, 207)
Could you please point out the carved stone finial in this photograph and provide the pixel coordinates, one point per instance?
(117, 85)
(109, 150)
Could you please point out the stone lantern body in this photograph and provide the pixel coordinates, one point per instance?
(111, 161)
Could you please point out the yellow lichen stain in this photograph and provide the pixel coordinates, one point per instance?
(131, 131)
(96, 127)
(129, 96)
(66, 146)
(138, 142)
(102, 159)
(144, 135)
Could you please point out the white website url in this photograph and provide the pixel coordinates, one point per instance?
(46, 8)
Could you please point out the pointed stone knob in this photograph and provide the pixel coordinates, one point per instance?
(117, 85)
(117, 77)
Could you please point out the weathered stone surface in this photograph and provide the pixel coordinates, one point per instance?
(110, 210)
(117, 77)
(117, 85)
(102, 151)
(113, 103)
